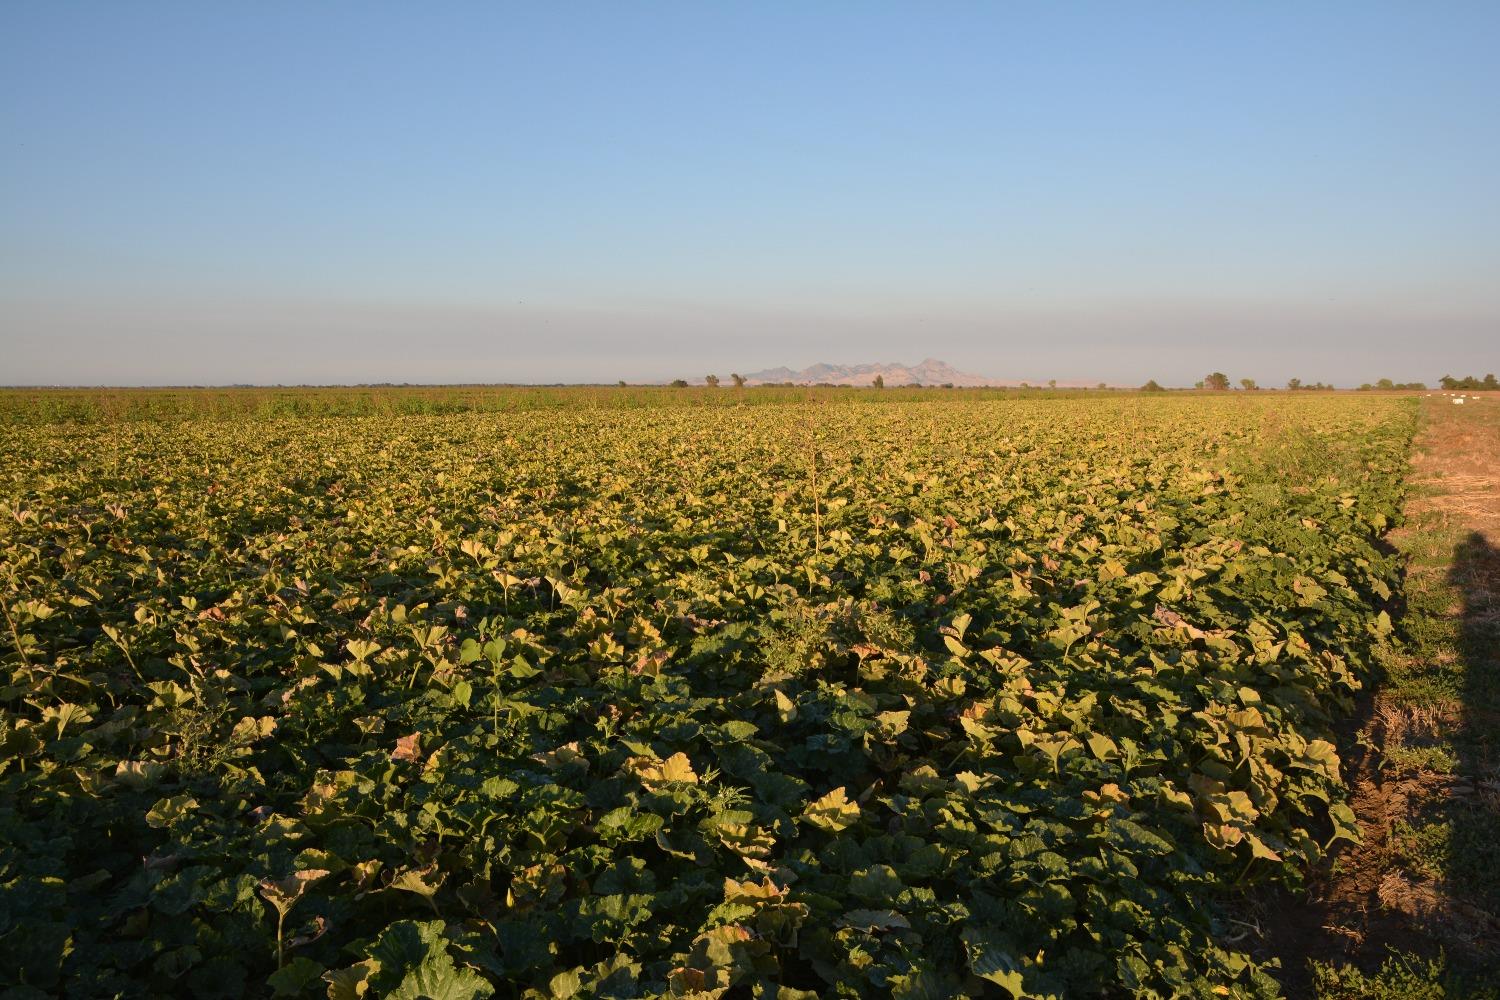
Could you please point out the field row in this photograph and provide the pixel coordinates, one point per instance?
(966, 698)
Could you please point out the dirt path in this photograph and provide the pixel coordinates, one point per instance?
(1418, 902)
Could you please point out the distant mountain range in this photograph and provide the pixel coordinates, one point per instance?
(930, 371)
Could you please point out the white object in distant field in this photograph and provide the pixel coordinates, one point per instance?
(1459, 401)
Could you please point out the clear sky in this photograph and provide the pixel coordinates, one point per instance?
(556, 191)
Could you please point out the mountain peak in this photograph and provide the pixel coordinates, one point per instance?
(930, 371)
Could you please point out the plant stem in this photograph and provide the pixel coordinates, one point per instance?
(14, 635)
(817, 505)
(413, 678)
(495, 708)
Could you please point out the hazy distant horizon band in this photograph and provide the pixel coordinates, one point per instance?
(596, 192)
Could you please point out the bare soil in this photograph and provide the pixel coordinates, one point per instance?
(1421, 752)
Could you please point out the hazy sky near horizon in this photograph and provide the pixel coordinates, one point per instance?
(345, 192)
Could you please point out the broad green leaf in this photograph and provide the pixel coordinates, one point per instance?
(833, 812)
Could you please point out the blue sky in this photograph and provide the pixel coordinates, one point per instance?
(334, 192)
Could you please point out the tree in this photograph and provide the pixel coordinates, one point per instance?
(1052, 383)
(679, 383)
(1294, 384)
(1385, 383)
(1469, 382)
(712, 381)
(621, 383)
(1248, 384)
(1152, 386)
(1217, 381)
(879, 382)
(739, 380)
(1103, 386)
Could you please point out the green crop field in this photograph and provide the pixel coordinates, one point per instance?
(922, 695)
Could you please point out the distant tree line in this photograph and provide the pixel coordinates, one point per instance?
(1469, 382)
(1216, 381)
